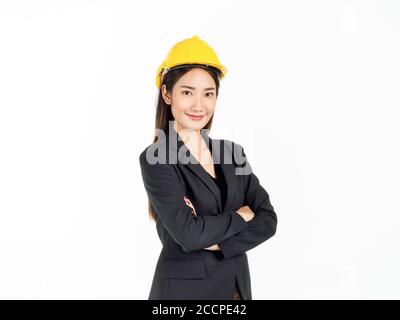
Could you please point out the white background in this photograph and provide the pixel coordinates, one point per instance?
(315, 83)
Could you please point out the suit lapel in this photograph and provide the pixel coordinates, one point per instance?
(219, 150)
(200, 172)
(205, 177)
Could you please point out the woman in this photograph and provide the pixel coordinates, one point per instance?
(208, 205)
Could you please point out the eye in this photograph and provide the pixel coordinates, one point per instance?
(211, 94)
(186, 91)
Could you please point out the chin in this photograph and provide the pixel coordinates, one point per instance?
(195, 126)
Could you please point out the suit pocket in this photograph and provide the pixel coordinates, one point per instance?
(182, 268)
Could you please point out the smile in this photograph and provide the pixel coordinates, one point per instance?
(195, 117)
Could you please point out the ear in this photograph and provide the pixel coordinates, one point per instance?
(165, 94)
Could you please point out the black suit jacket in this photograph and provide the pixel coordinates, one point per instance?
(185, 270)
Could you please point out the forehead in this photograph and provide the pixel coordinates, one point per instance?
(197, 77)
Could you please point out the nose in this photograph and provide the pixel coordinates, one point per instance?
(197, 106)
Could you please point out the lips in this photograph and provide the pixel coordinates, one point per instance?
(193, 117)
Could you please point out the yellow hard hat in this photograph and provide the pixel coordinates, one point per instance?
(189, 51)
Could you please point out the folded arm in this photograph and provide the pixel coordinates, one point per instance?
(260, 228)
(167, 196)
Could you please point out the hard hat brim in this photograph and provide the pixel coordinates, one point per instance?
(162, 71)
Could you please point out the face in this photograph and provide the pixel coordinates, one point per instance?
(192, 100)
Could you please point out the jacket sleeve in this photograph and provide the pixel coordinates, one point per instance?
(261, 227)
(166, 194)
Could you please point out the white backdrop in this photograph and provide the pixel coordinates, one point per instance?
(315, 82)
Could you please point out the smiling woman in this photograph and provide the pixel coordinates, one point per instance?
(194, 102)
(207, 215)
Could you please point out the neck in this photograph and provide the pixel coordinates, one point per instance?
(190, 137)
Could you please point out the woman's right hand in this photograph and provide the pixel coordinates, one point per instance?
(246, 213)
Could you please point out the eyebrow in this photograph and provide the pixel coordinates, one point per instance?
(193, 88)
